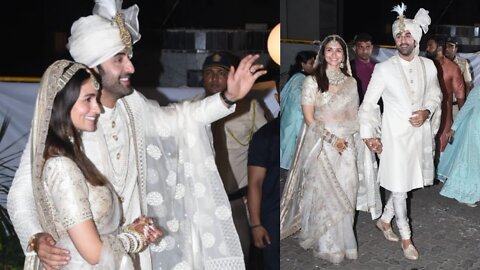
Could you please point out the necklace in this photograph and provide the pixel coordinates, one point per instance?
(335, 77)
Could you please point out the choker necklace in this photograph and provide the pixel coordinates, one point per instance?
(335, 77)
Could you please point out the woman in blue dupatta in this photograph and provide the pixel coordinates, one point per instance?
(290, 106)
(458, 167)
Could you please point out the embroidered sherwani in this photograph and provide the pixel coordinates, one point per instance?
(169, 172)
(405, 87)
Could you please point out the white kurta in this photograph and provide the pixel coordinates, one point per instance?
(407, 157)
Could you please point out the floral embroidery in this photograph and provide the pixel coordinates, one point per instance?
(223, 212)
(182, 266)
(154, 152)
(210, 163)
(154, 198)
(208, 240)
(173, 225)
(171, 178)
(188, 167)
(199, 190)
(179, 191)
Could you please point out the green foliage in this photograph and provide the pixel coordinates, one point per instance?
(11, 254)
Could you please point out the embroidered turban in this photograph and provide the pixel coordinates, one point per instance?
(98, 37)
(415, 26)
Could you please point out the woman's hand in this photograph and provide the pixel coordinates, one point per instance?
(341, 145)
(145, 226)
(374, 144)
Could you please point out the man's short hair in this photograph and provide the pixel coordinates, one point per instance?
(439, 39)
(221, 59)
(362, 37)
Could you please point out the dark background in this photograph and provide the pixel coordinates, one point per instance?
(314, 19)
(376, 16)
(34, 32)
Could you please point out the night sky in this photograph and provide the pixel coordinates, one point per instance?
(375, 16)
(30, 28)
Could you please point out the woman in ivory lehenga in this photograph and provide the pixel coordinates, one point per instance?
(76, 204)
(324, 186)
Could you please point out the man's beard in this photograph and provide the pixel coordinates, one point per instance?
(431, 55)
(406, 51)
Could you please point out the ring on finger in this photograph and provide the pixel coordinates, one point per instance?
(252, 71)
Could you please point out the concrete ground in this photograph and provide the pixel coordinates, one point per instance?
(445, 232)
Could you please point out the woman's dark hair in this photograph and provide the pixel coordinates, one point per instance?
(320, 71)
(302, 57)
(61, 130)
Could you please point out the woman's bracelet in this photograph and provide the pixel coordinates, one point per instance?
(132, 241)
(255, 226)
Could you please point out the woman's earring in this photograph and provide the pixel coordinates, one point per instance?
(342, 65)
(70, 138)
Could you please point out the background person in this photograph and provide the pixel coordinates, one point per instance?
(452, 86)
(291, 115)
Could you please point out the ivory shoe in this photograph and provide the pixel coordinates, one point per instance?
(388, 233)
(410, 252)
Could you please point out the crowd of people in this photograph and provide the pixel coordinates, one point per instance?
(368, 124)
(112, 180)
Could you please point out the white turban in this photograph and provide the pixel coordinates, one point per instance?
(415, 26)
(96, 38)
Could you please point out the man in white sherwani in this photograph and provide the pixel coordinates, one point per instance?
(159, 160)
(411, 96)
